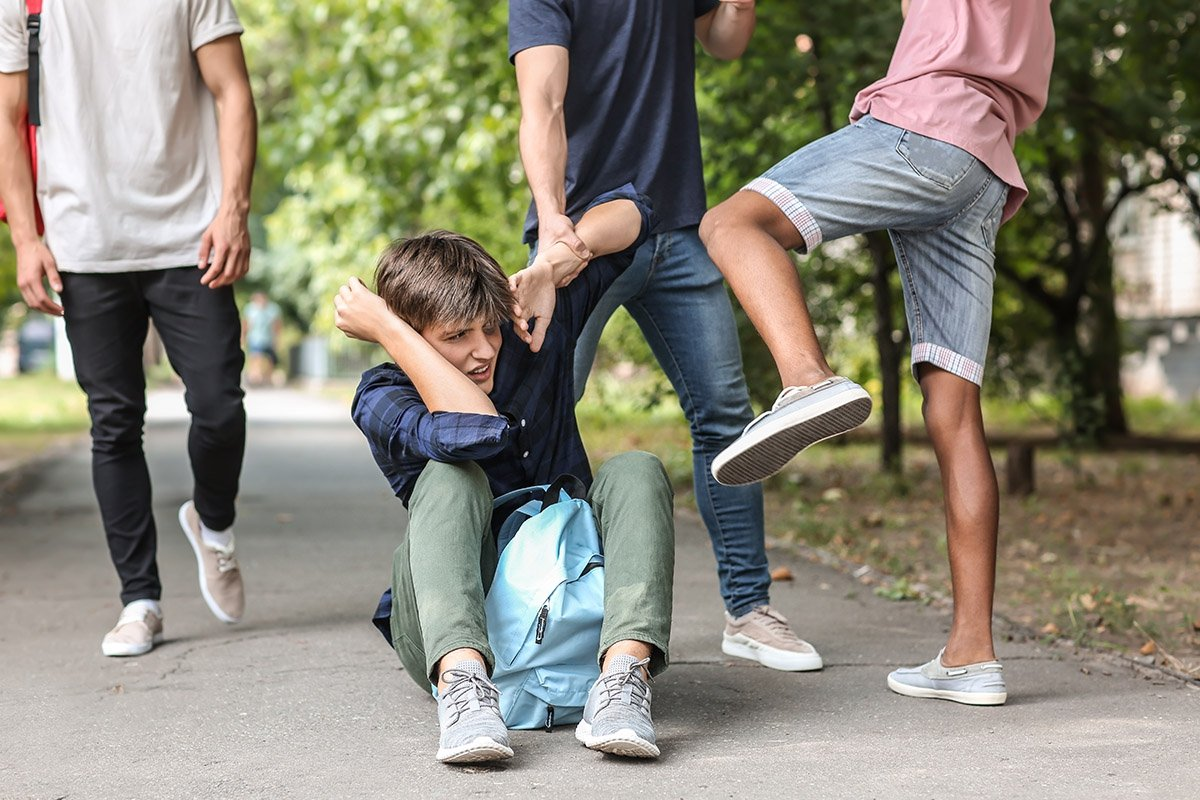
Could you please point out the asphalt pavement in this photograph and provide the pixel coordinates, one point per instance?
(304, 700)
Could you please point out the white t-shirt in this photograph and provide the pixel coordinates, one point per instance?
(129, 173)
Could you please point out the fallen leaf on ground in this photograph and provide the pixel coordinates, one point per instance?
(1050, 629)
(1148, 649)
(782, 574)
(1088, 602)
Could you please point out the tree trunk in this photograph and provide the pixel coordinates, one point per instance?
(889, 350)
(1106, 343)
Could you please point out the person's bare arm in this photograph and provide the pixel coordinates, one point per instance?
(607, 228)
(227, 240)
(725, 31)
(362, 314)
(542, 87)
(35, 264)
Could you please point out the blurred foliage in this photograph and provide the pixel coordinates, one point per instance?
(382, 119)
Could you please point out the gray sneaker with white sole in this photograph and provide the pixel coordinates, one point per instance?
(979, 684)
(472, 729)
(616, 717)
(801, 416)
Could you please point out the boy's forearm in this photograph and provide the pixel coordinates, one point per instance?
(441, 385)
(610, 227)
(16, 177)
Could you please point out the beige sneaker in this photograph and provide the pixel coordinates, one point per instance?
(138, 630)
(220, 578)
(764, 635)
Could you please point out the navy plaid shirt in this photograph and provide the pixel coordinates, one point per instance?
(535, 439)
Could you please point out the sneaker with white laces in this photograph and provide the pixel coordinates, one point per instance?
(616, 718)
(764, 635)
(801, 416)
(472, 729)
(220, 577)
(138, 629)
(980, 684)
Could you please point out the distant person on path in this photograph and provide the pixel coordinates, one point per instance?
(261, 324)
(929, 158)
(146, 149)
(607, 96)
(468, 413)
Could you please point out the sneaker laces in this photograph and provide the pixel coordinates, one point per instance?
(785, 397)
(226, 560)
(613, 685)
(465, 688)
(777, 623)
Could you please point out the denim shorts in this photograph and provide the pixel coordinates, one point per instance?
(940, 205)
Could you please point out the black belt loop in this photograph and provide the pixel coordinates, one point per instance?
(34, 104)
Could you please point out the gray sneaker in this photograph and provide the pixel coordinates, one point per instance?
(979, 684)
(801, 416)
(764, 635)
(469, 717)
(616, 718)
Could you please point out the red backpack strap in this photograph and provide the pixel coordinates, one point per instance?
(34, 7)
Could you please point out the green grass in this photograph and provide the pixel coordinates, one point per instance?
(40, 404)
(37, 411)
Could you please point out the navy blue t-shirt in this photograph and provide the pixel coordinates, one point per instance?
(630, 107)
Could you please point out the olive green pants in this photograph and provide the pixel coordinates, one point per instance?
(444, 567)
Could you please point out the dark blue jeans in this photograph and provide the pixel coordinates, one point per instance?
(677, 297)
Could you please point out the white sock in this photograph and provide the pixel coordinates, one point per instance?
(222, 539)
(146, 603)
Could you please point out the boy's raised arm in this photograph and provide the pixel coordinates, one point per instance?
(605, 229)
(362, 314)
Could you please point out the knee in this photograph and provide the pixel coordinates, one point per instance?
(218, 412)
(451, 487)
(636, 469)
(716, 220)
(116, 427)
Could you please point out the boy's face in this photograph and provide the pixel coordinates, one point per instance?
(471, 347)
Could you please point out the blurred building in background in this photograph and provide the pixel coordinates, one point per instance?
(1156, 248)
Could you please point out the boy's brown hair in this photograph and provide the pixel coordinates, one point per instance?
(442, 278)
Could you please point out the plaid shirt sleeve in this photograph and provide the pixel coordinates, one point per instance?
(399, 428)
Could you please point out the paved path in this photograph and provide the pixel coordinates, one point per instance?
(304, 700)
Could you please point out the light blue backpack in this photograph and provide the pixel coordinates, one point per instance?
(546, 604)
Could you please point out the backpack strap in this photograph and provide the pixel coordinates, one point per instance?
(34, 22)
(564, 483)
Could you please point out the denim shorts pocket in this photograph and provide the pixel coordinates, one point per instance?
(935, 161)
(991, 221)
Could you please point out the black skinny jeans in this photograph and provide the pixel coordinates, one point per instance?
(106, 319)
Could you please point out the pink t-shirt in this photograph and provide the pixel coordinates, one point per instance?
(972, 73)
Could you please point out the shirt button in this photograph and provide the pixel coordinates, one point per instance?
(525, 454)
(522, 423)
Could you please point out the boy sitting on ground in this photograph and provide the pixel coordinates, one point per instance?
(469, 412)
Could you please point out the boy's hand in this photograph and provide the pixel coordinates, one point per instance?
(36, 267)
(535, 296)
(360, 313)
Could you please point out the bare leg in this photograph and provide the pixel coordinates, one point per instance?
(748, 238)
(955, 423)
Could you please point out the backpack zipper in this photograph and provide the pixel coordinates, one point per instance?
(540, 631)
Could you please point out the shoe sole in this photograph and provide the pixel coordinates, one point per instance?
(130, 650)
(771, 657)
(208, 598)
(966, 698)
(483, 748)
(624, 743)
(766, 449)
